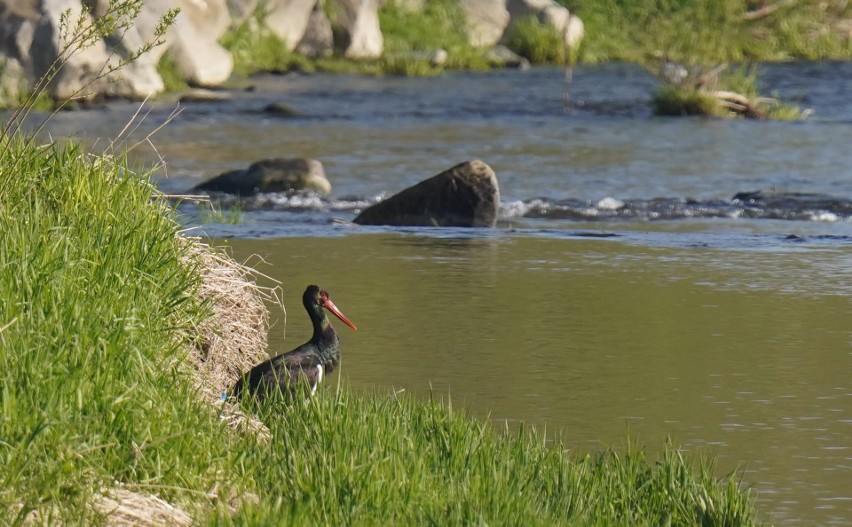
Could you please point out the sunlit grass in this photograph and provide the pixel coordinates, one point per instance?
(95, 303)
(255, 48)
(678, 101)
(367, 459)
(539, 43)
(216, 212)
(711, 99)
(173, 80)
(440, 25)
(712, 32)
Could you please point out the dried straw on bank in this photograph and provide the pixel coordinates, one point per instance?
(233, 339)
(125, 508)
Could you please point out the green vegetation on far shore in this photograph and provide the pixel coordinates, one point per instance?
(638, 31)
(724, 31)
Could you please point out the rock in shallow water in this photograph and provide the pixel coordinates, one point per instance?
(272, 175)
(466, 195)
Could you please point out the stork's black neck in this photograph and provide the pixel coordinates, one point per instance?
(321, 323)
(324, 337)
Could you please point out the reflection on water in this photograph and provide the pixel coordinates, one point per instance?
(742, 353)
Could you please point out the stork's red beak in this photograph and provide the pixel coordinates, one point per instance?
(336, 312)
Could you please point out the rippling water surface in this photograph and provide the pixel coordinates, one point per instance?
(588, 151)
(625, 290)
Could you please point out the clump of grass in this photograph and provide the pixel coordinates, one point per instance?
(96, 301)
(440, 25)
(255, 48)
(347, 459)
(173, 81)
(679, 101)
(231, 213)
(409, 67)
(715, 32)
(720, 93)
(540, 43)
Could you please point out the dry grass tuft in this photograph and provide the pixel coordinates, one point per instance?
(233, 339)
(125, 508)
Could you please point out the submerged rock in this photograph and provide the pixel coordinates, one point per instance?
(204, 95)
(279, 109)
(794, 201)
(466, 195)
(272, 175)
(503, 57)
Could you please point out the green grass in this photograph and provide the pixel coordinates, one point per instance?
(540, 43)
(377, 459)
(173, 81)
(231, 213)
(710, 32)
(440, 25)
(678, 101)
(255, 48)
(689, 99)
(97, 309)
(95, 304)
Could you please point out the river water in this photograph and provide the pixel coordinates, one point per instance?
(624, 292)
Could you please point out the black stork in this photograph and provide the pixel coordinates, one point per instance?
(308, 363)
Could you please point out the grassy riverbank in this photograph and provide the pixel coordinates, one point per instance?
(99, 307)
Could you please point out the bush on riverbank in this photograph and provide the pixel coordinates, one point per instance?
(99, 399)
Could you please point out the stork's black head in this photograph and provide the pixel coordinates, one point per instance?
(314, 296)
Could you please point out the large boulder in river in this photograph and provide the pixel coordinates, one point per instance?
(272, 175)
(466, 195)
